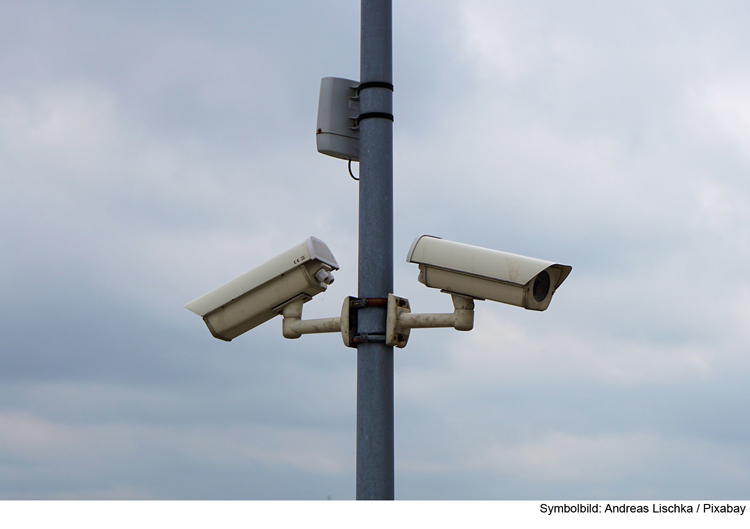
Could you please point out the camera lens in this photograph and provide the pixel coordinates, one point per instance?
(541, 286)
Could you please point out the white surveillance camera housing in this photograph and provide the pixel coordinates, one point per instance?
(481, 273)
(262, 293)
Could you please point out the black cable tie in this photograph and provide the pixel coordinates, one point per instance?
(368, 115)
(374, 84)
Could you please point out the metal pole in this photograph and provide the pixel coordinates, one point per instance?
(375, 467)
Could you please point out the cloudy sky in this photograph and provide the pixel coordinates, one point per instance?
(151, 151)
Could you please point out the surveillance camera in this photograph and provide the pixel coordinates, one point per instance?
(481, 273)
(262, 293)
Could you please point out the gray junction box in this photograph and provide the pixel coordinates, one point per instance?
(337, 134)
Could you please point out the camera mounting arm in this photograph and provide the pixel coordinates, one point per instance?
(293, 326)
(401, 320)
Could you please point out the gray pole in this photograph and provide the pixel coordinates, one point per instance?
(375, 470)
